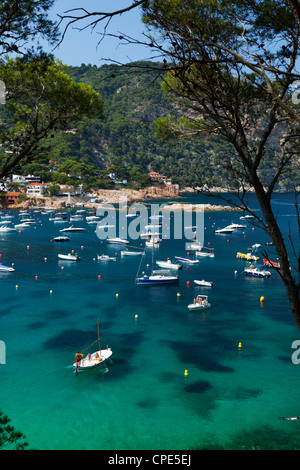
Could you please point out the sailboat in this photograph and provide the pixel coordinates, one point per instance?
(94, 360)
(156, 277)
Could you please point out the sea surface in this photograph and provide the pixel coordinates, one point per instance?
(177, 379)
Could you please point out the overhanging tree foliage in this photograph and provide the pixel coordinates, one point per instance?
(41, 100)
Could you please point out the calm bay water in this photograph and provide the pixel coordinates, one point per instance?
(231, 397)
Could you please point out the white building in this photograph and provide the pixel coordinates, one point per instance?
(36, 189)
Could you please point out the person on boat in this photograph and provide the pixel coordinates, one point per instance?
(89, 357)
(78, 357)
(291, 419)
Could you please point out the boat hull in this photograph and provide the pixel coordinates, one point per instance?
(152, 280)
(86, 364)
(197, 307)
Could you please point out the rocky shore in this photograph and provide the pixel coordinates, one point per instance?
(121, 197)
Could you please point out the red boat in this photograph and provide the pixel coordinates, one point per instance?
(271, 264)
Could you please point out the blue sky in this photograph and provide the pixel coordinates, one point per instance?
(81, 46)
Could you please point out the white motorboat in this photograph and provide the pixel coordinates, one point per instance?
(153, 225)
(187, 259)
(257, 271)
(247, 217)
(72, 229)
(168, 264)
(28, 221)
(6, 268)
(210, 252)
(69, 257)
(61, 239)
(23, 225)
(5, 228)
(200, 303)
(131, 253)
(224, 230)
(106, 258)
(94, 360)
(235, 226)
(117, 240)
(204, 283)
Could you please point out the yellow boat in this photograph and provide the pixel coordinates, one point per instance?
(247, 256)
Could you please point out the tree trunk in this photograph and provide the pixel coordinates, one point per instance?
(291, 286)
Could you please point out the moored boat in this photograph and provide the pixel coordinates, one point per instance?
(257, 271)
(156, 278)
(187, 259)
(61, 239)
(117, 240)
(200, 303)
(247, 256)
(106, 258)
(204, 283)
(168, 264)
(94, 360)
(4, 268)
(69, 257)
(131, 253)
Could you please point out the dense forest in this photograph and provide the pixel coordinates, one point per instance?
(124, 140)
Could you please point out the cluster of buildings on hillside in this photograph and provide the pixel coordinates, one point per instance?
(32, 186)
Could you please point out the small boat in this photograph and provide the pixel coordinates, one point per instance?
(72, 229)
(61, 239)
(28, 221)
(5, 268)
(204, 283)
(269, 243)
(69, 257)
(195, 246)
(271, 264)
(94, 360)
(187, 259)
(156, 278)
(117, 240)
(153, 225)
(247, 256)
(256, 271)
(22, 225)
(235, 226)
(210, 252)
(153, 242)
(200, 303)
(106, 258)
(167, 264)
(247, 217)
(149, 234)
(131, 253)
(5, 228)
(224, 230)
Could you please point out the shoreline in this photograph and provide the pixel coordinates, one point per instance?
(121, 197)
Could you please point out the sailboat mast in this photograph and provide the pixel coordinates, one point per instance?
(99, 337)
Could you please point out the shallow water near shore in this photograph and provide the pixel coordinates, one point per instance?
(231, 397)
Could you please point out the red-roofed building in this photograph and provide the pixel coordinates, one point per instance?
(158, 177)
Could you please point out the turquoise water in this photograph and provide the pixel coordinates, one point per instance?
(230, 399)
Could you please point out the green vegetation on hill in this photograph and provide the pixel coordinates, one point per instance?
(125, 141)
